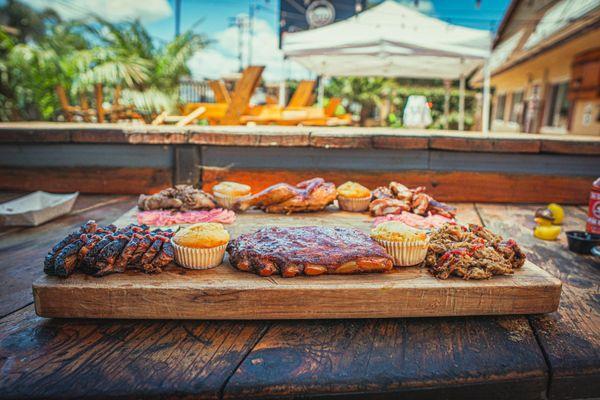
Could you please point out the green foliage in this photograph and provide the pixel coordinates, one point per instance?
(369, 92)
(78, 56)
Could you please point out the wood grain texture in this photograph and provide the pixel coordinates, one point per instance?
(81, 359)
(569, 337)
(22, 250)
(460, 358)
(460, 186)
(107, 180)
(485, 144)
(225, 293)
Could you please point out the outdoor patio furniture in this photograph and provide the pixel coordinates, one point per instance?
(229, 113)
(69, 111)
(552, 356)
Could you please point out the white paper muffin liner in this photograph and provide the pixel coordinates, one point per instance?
(192, 258)
(224, 200)
(407, 253)
(353, 204)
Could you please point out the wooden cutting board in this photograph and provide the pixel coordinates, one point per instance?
(226, 293)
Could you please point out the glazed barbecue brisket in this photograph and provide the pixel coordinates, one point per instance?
(99, 251)
(308, 250)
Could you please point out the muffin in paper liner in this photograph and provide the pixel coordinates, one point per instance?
(225, 201)
(354, 204)
(198, 258)
(406, 253)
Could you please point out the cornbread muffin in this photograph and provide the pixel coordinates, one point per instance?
(353, 196)
(201, 246)
(394, 231)
(203, 235)
(353, 190)
(227, 192)
(407, 246)
(231, 189)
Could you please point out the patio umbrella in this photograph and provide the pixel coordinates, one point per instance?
(395, 41)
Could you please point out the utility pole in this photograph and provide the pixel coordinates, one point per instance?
(252, 7)
(177, 17)
(240, 23)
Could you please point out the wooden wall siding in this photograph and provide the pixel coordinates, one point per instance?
(116, 180)
(397, 160)
(268, 136)
(86, 155)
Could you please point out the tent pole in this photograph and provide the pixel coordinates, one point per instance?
(282, 84)
(485, 120)
(446, 103)
(461, 104)
(321, 91)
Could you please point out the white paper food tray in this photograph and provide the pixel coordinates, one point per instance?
(36, 208)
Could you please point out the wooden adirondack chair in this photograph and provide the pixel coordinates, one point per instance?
(303, 95)
(70, 111)
(117, 111)
(229, 113)
(220, 90)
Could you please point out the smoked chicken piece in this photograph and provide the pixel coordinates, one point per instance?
(272, 195)
(318, 198)
(308, 250)
(180, 197)
(310, 195)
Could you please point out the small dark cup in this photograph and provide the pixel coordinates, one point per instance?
(582, 242)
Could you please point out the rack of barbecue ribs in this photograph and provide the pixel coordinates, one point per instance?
(311, 195)
(308, 250)
(98, 251)
(397, 198)
(180, 197)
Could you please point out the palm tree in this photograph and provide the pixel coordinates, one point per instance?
(36, 68)
(129, 57)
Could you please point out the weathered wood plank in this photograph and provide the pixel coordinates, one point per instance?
(445, 186)
(109, 180)
(483, 144)
(22, 250)
(465, 358)
(261, 136)
(569, 337)
(79, 359)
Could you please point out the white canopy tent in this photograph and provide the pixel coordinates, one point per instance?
(395, 41)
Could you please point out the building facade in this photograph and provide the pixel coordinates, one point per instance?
(545, 68)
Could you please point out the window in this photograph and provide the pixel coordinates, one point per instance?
(516, 110)
(558, 106)
(500, 105)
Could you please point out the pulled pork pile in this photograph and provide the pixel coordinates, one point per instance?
(471, 252)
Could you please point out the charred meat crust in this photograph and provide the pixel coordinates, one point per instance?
(309, 250)
(100, 251)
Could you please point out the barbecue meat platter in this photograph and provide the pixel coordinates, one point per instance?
(287, 252)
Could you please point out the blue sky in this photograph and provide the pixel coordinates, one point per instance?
(212, 18)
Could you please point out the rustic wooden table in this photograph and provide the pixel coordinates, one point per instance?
(554, 356)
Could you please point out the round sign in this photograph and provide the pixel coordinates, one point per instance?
(320, 13)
